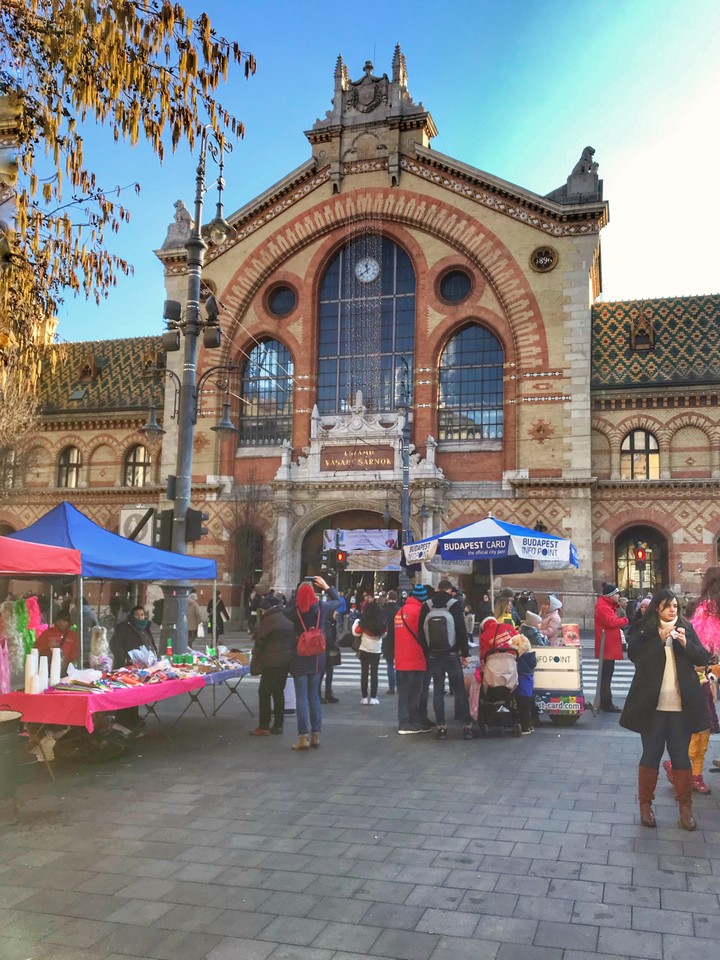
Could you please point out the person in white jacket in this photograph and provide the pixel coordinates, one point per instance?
(371, 629)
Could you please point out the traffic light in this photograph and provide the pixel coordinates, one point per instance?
(341, 559)
(194, 529)
(640, 557)
(325, 560)
(330, 559)
(165, 525)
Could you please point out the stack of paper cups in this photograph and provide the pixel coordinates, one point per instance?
(43, 673)
(35, 684)
(55, 666)
(31, 668)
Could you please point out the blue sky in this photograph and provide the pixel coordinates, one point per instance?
(516, 88)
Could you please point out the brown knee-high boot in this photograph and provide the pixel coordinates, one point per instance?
(647, 779)
(683, 782)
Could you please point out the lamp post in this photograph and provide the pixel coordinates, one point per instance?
(404, 410)
(188, 390)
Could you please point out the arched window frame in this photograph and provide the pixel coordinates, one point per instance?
(69, 466)
(137, 466)
(639, 456)
(470, 386)
(383, 309)
(266, 395)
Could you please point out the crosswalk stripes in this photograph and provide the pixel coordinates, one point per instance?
(347, 675)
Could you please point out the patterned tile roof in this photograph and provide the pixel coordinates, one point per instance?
(673, 341)
(98, 375)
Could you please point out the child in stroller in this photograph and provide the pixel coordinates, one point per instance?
(497, 702)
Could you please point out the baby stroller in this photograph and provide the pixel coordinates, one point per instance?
(498, 707)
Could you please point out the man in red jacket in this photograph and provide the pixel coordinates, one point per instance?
(611, 618)
(411, 665)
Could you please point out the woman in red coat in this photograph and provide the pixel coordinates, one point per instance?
(610, 617)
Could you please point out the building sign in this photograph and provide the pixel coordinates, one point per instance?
(357, 458)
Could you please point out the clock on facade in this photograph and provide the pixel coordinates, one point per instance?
(367, 269)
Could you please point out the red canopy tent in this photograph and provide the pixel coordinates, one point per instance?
(19, 558)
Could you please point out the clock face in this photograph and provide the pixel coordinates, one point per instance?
(367, 270)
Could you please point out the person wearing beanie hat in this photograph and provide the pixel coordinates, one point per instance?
(530, 628)
(609, 618)
(411, 668)
(551, 624)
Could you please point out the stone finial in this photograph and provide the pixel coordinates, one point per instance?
(399, 67)
(585, 164)
(583, 185)
(341, 72)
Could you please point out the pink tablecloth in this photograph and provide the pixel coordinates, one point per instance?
(77, 709)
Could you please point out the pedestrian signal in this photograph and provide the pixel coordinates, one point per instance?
(341, 559)
(640, 557)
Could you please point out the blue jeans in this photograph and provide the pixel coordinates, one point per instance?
(449, 663)
(307, 703)
(391, 674)
(669, 729)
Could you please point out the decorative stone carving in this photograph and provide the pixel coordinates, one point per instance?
(367, 94)
(178, 232)
(583, 184)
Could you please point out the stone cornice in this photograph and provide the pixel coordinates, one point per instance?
(647, 487)
(553, 482)
(132, 418)
(547, 216)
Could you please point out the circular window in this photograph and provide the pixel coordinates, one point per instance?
(455, 286)
(543, 259)
(281, 301)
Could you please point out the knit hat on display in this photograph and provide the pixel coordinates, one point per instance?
(532, 619)
(554, 604)
(608, 589)
(420, 592)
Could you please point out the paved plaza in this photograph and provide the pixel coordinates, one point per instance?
(212, 845)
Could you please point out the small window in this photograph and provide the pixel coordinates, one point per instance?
(281, 301)
(639, 456)
(137, 466)
(455, 286)
(69, 464)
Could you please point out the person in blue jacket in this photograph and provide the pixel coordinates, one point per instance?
(527, 661)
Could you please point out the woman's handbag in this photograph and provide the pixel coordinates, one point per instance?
(255, 663)
(200, 632)
(334, 657)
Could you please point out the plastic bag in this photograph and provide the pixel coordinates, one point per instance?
(200, 631)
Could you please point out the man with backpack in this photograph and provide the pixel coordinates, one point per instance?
(442, 628)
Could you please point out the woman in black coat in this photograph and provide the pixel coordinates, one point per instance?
(274, 647)
(665, 704)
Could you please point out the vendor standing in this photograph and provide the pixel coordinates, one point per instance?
(59, 636)
(129, 635)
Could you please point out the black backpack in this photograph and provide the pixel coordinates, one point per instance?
(439, 628)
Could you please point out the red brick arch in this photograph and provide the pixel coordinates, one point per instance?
(394, 207)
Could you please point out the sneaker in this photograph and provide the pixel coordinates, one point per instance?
(426, 726)
(331, 699)
(365, 701)
(468, 733)
(374, 701)
(441, 733)
(410, 728)
(524, 733)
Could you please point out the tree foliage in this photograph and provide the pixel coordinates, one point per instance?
(141, 68)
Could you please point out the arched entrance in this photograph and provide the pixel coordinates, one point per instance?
(631, 581)
(348, 580)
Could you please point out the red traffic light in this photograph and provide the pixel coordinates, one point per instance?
(640, 554)
(342, 559)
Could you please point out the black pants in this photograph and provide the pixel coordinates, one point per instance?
(525, 711)
(328, 675)
(369, 663)
(272, 686)
(608, 669)
(671, 730)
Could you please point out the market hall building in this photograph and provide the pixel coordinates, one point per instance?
(383, 291)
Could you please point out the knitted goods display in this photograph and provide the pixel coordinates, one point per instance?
(35, 618)
(15, 647)
(22, 620)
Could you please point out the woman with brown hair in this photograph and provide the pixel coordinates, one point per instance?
(665, 704)
(371, 628)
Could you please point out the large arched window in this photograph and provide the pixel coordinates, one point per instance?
(470, 401)
(137, 466)
(639, 456)
(8, 469)
(366, 326)
(69, 464)
(267, 395)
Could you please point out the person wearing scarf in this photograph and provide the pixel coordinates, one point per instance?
(665, 704)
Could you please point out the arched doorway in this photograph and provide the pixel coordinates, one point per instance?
(248, 553)
(370, 581)
(631, 581)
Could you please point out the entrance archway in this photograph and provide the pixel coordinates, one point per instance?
(631, 581)
(348, 580)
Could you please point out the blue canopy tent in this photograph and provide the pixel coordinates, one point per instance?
(107, 556)
(497, 547)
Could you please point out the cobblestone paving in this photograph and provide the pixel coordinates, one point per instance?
(215, 846)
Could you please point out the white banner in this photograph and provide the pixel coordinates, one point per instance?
(440, 565)
(420, 552)
(374, 560)
(352, 540)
